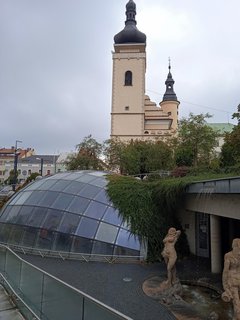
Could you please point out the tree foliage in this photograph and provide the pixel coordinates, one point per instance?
(197, 141)
(230, 153)
(138, 157)
(87, 157)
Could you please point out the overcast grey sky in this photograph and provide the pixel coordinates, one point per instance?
(56, 64)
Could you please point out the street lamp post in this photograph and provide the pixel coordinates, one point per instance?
(41, 170)
(15, 165)
(41, 166)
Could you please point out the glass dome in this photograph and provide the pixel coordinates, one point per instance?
(67, 212)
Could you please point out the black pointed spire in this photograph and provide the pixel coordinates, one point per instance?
(131, 12)
(130, 34)
(169, 95)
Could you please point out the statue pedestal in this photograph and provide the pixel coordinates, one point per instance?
(159, 289)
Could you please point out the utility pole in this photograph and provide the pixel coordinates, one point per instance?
(15, 165)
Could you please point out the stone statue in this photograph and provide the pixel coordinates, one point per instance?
(231, 278)
(169, 254)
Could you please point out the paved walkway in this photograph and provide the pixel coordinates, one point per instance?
(8, 311)
(105, 282)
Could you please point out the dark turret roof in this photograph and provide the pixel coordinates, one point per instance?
(130, 34)
(169, 95)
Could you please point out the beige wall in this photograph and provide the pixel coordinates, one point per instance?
(128, 121)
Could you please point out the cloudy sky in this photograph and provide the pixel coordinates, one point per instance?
(56, 64)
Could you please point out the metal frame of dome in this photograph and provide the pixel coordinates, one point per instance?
(70, 213)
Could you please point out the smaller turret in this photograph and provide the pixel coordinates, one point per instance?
(169, 95)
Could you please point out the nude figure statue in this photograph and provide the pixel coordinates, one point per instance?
(169, 254)
(231, 278)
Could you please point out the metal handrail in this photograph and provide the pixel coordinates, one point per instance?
(74, 255)
(84, 295)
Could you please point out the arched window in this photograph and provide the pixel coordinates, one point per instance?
(128, 78)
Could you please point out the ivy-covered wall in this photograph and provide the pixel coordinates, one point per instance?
(150, 207)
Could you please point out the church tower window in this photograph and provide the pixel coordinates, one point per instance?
(128, 78)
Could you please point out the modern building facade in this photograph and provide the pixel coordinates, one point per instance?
(134, 115)
(210, 217)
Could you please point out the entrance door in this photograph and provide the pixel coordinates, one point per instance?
(202, 235)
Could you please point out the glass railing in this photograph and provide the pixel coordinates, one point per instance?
(46, 297)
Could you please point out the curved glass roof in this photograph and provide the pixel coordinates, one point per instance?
(67, 212)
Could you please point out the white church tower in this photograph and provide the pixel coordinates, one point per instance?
(133, 115)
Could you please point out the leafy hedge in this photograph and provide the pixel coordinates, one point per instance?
(149, 208)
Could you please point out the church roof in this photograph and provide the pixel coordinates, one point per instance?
(130, 34)
(169, 95)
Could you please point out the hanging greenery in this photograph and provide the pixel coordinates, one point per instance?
(149, 208)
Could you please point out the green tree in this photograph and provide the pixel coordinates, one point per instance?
(11, 179)
(139, 157)
(87, 157)
(197, 140)
(112, 151)
(230, 153)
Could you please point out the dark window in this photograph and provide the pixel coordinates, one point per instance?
(128, 78)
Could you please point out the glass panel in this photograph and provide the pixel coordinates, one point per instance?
(48, 183)
(16, 235)
(15, 198)
(62, 201)
(24, 215)
(112, 216)
(5, 232)
(29, 237)
(45, 239)
(35, 197)
(34, 185)
(3, 252)
(74, 175)
(86, 178)
(11, 215)
(100, 182)
(37, 217)
(121, 251)
(53, 219)
(89, 191)
(74, 187)
(78, 205)
(60, 185)
(106, 232)
(93, 311)
(23, 197)
(95, 210)
(63, 242)
(48, 199)
(102, 197)
(5, 213)
(102, 248)
(69, 223)
(59, 175)
(60, 302)
(13, 269)
(82, 245)
(87, 228)
(125, 239)
(32, 290)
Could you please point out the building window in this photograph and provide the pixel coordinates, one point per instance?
(48, 172)
(127, 108)
(29, 172)
(128, 78)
